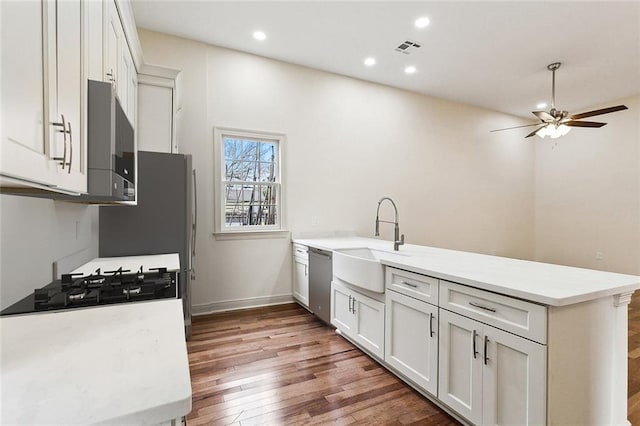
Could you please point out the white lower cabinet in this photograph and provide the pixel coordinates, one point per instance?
(301, 274)
(490, 376)
(411, 339)
(359, 317)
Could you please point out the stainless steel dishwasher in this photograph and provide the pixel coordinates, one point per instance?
(320, 274)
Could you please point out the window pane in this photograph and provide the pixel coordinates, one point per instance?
(235, 210)
(251, 205)
(250, 182)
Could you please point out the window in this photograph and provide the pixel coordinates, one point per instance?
(249, 182)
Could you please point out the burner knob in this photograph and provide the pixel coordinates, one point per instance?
(40, 296)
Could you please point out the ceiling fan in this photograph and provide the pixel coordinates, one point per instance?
(556, 123)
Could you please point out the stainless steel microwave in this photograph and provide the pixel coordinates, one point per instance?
(111, 148)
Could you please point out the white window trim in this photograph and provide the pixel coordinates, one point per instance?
(222, 233)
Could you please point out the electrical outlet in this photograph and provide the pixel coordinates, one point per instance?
(315, 221)
(599, 255)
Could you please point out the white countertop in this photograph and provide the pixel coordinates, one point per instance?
(132, 263)
(544, 283)
(116, 364)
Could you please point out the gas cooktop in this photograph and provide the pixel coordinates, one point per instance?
(76, 290)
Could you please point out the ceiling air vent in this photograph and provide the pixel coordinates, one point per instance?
(407, 47)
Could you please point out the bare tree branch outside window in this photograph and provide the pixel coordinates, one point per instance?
(251, 182)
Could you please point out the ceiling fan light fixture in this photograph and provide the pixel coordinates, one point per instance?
(422, 22)
(554, 131)
(410, 70)
(259, 35)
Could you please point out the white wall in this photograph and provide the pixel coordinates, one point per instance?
(36, 232)
(349, 142)
(588, 194)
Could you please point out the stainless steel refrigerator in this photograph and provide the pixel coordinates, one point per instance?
(163, 221)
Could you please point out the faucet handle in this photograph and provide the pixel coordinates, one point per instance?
(402, 239)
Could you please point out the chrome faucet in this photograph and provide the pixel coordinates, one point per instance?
(397, 239)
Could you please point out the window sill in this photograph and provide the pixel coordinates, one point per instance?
(251, 235)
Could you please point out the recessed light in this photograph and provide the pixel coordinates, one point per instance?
(370, 61)
(259, 35)
(541, 105)
(410, 69)
(422, 22)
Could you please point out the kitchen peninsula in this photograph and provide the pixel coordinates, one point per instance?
(516, 341)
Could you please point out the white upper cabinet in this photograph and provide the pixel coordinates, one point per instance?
(119, 67)
(157, 109)
(49, 49)
(66, 91)
(42, 80)
(112, 41)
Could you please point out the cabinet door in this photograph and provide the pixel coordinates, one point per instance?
(342, 316)
(113, 41)
(132, 103)
(66, 91)
(24, 154)
(301, 280)
(124, 86)
(369, 315)
(95, 40)
(460, 368)
(42, 78)
(155, 117)
(514, 384)
(411, 343)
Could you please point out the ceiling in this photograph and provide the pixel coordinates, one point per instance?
(490, 54)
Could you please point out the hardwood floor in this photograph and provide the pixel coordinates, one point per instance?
(279, 365)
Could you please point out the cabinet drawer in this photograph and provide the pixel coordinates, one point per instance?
(415, 285)
(301, 251)
(513, 315)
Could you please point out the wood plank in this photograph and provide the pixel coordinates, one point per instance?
(280, 365)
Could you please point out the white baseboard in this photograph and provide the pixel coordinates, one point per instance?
(232, 305)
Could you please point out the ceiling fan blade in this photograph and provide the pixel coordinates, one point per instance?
(598, 112)
(543, 115)
(534, 132)
(515, 127)
(571, 123)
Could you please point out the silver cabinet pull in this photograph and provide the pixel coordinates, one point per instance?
(112, 78)
(409, 284)
(353, 309)
(70, 148)
(475, 351)
(349, 303)
(63, 159)
(486, 308)
(431, 324)
(305, 269)
(486, 355)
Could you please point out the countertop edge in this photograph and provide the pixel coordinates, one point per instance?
(520, 294)
(338, 243)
